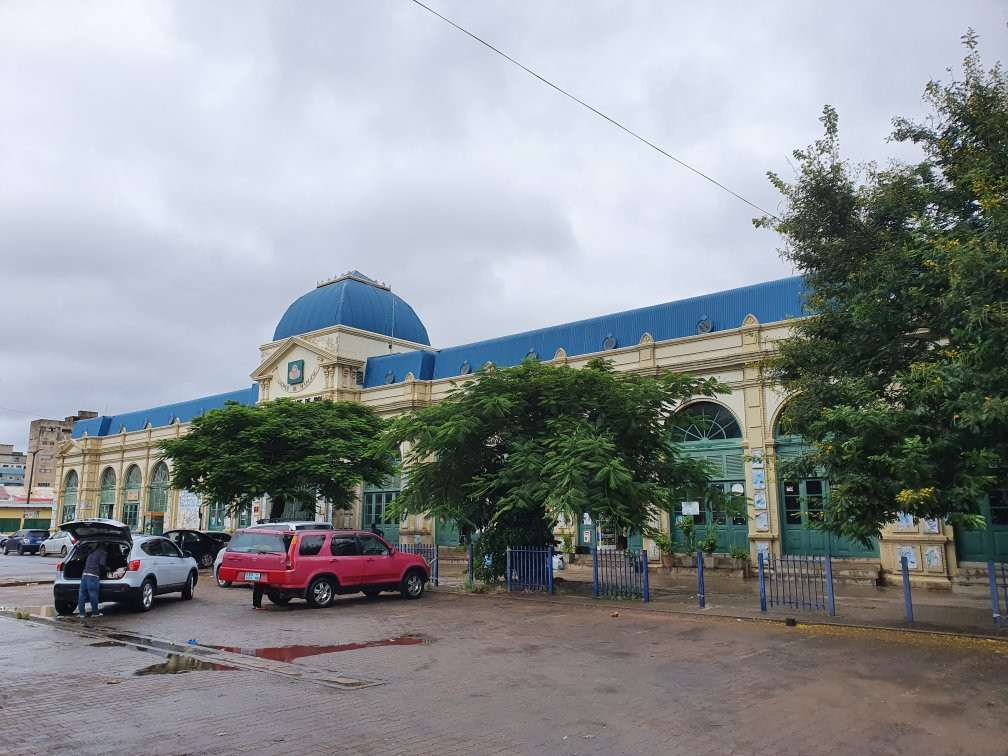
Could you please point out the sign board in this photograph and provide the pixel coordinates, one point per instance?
(132, 496)
(691, 507)
(31, 515)
(586, 535)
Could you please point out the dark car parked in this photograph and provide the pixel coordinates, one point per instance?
(25, 541)
(218, 535)
(203, 548)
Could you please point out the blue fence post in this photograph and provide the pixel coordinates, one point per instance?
(699, 577)
(549, 562)
(437, 562)
(995, 600)
(595, 571)
(907, 603)
(830, 602)
(470, 562)
(508, 567)
(647, 586)
(762, 582)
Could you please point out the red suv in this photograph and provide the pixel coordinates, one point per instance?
(317, 565)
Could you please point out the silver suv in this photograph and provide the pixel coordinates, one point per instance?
(267, 525)
(139, 567)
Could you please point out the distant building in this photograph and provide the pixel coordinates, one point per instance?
(18, 510)
(44, 438)
(12, 466)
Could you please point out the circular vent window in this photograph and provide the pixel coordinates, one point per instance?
(389, 377)
(609, 342)
(465, 368)
(705, 325)
(532, 354)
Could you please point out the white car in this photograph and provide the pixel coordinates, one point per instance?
(58, 543)
(286, 525)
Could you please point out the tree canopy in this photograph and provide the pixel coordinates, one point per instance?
(900, 376)
(290, 451)
(508, 453)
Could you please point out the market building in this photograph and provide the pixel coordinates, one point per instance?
(351, 338)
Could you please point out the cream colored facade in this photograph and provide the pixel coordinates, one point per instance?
(332, 358)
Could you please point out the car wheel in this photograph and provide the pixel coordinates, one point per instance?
(146, 600)
(20, 550)
(413, 584)
(279, 599)
(63, 551)
(41, 551)
(190, 586)
(222, 583)
(371, 592)
(6, 550)
(64, 608)
(320, 593)
(206, 560)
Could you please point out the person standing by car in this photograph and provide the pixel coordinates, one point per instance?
(91, 581)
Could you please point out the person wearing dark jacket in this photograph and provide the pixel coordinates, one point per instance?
(90, 583)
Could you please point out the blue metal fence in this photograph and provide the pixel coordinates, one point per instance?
(428, 551)
(620, 574)
(529, 569)
(798, 582)
(998, 576)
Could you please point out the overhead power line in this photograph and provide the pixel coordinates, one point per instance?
(596, 111)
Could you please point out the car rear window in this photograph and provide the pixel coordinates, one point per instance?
(39, 533)
(255, 542)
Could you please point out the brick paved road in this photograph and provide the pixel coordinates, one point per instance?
(499, 674)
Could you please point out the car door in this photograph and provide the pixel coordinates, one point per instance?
(153, 560)
(191, 542)
(346, 560)
(379, 566)
(176, 565)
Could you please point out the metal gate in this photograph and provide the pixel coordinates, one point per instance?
(529, 569)
(429, 551)
(620, 574)
(797, 582)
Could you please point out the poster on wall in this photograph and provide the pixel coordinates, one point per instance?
(759, 500)
(910, 552)
(189, 510)
(757, 459)
(758, 479)
(762, 521)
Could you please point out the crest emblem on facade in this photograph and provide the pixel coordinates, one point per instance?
(295, 372)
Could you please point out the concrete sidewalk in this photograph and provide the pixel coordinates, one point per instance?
(728, 597)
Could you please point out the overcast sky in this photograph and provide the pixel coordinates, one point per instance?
(174, 174)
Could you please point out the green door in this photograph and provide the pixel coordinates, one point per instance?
(990, 542)
(447, 532)
(801, 506)
(373, 514)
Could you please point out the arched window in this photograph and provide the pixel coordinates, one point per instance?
(158, 499)
(131, 497)
(70, 486)
(705, 421)
(107, 496)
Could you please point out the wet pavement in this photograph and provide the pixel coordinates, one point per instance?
(456, 673)
(27, 568)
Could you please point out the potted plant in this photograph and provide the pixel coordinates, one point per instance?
(666, 546)
(685, 524)
(740, 559)
(707, 545)
(568, 548)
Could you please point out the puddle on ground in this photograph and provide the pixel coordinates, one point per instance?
(290, 653)
(106, 644)
(178, 664)
(35, 611)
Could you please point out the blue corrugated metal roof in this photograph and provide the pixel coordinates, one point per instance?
(108, 425)
(352, 300)
(770, 302)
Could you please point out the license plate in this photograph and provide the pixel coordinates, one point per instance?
(252, 576)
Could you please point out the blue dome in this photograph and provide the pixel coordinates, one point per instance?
(356, 301)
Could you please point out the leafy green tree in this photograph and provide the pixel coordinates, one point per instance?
(900, 375)
(509, 452)
(290, 451)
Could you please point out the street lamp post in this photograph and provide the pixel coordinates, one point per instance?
(31, 478)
